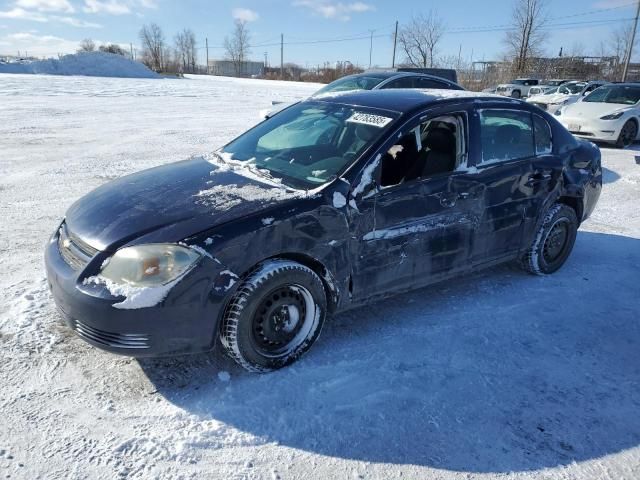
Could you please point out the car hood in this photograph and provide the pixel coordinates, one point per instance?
(592, 110)
(191, 196)
(552, 99)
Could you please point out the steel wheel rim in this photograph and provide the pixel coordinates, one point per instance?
(556, 241)
(283, 320)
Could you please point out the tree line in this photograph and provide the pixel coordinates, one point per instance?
(419, 42)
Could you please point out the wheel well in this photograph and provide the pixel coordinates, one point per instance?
(575, 203)
(319, 269)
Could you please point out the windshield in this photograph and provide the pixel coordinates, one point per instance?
(353, 82)
(572, 88)
(551, 91)
(620, 94)
(310, 143)
(555, 83)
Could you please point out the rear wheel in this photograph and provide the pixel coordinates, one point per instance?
(628, 134)
(275, 316)
(516, 94)
(553, 242)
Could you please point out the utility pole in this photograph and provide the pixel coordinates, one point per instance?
(395, 42)
(131, 50)
(282, 56)
(206, 43)
(630, 49)
(371, 47)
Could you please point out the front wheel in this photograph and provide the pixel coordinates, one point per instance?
(553, 241)
(275, 316)
(516, 94)
(628, 134)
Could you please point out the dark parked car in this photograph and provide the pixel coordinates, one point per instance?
(376, 81)
(331, 204)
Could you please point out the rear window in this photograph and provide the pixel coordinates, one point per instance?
(505, 135)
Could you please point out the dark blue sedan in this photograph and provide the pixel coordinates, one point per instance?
(333, 203)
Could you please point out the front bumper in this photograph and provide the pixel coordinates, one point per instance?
(595, 130)
(186, 321)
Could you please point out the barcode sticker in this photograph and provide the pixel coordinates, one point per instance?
(369, 119)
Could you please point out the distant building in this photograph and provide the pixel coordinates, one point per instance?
(226, 68)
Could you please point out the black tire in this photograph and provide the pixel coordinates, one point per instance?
(553, 241)
(516, 94)
(628, 134)
(275, 316)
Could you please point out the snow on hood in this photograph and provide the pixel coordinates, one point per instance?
(188, 196)
(552, 99)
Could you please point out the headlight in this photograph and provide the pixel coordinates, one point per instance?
(612, 116)
(149, 265)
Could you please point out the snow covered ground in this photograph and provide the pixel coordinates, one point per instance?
(492, 375)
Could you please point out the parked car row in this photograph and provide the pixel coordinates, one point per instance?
(553, 98)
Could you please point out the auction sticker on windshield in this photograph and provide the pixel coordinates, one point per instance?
(369, 119)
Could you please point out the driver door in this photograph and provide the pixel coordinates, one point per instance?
(422, 228)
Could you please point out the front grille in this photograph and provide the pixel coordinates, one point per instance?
(108, 339)
(74, 251)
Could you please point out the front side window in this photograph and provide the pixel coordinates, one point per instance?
(403, 82)
(542, 132)
(505, 135)
(435, 147)
(310, 143)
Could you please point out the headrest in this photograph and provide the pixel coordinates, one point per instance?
(440, 140)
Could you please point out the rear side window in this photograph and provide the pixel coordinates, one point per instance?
(428, 83)
(505, 135)
(542, 133)
(403, 82)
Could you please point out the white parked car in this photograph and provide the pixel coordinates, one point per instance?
(609, 114)
(518, 88)
(540, 89)
(565, 94)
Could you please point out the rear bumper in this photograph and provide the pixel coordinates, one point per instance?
(186, 321)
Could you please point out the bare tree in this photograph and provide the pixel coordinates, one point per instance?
(237, 46)
(185, 47)
(113, 48)
(420, 39)
(87, 45)
(153, 48)
(525, 39)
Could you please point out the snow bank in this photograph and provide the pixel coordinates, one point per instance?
(93, 64)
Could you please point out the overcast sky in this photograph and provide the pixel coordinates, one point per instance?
(474, 27)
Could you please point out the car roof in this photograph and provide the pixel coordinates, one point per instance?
(386, 74)
(405, 100)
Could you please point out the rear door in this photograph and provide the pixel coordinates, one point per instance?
(503, 165)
